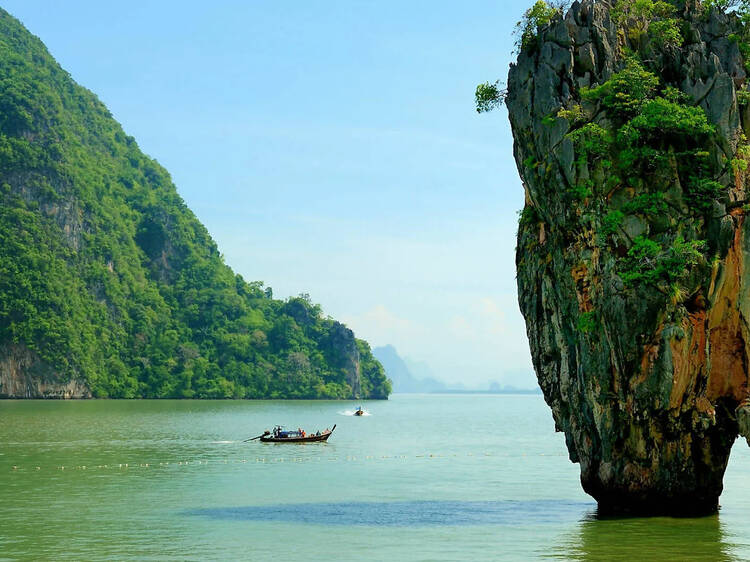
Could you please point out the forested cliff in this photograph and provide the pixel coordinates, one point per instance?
(110, 286)
(630, 120)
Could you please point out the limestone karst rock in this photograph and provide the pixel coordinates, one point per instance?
(632, 251)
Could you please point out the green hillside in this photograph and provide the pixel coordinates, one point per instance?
(106, 277)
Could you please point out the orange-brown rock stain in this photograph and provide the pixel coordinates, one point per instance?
(727, 332)
(688, 357)
(649, 357)
(583, 286)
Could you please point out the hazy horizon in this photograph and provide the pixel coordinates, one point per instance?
(421, 370)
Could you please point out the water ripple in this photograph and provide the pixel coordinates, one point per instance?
(406, 513)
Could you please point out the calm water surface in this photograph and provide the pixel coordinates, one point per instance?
(422, 478)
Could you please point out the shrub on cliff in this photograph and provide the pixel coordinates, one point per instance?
(624, 94)
(539, 15)
(488, 96)
(647, 261)
(639, 19)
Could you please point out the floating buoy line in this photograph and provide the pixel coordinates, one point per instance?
(128, 466)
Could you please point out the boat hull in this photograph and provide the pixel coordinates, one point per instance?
(306, 439)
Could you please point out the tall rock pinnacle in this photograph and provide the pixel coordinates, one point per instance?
(630, 134)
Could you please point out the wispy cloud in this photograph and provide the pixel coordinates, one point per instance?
(380, 326)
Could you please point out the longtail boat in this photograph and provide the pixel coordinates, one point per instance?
(280, 435)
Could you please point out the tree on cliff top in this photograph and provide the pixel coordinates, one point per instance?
(488, 95)
(539, 15)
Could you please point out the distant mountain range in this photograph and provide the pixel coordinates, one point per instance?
(401, 372)
(410, 376)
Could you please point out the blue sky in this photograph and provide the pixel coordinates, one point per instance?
(330, 148)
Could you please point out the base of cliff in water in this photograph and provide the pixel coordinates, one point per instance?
(675, 486)
(677, 494)
(632, 268)
(625, 505)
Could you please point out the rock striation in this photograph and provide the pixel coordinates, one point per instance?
(633, 247)
(23, 374)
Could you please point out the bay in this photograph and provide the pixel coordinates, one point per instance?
(422, 477)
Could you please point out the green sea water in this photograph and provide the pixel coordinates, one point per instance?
(422, 477)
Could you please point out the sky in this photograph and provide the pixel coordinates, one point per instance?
(330, 148)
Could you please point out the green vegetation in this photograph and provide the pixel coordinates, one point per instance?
(648, 19)
(489, 96)
(652, 131)
(539, 15)
(611, 223)
(574, 115)
(742, 7)
(642, 147)
(107, 276)
(649, 204)
(702, 192)
(528, 216)
(649, 262)
(582, 191)
(592, 141)
(626, 92)
(587, 322)
(664, 121)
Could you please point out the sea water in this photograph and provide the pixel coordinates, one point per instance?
(422, 477)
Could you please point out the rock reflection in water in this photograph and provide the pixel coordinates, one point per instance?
(645, 538)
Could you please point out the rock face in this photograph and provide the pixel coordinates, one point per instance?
(24, 375)
(645, 367)
(343, 347)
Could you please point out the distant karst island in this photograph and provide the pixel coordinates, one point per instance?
(109, 284)
(409, 376)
